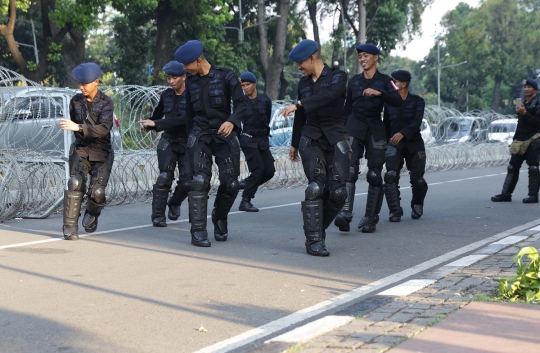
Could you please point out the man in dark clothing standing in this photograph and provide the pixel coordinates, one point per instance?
(91, 118)
(405, 142)
(320, 137)
(254, 140)
(526, 146)
(366, 95)
(209, 91)
(172, 147)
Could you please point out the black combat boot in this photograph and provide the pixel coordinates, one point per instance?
(242, 184)
(391, 191)
(159, 204)
(72, 209)
(419, 192)
(508, 188)
(344, 218)
(90, 219)
(179, 195)
(247, 206)
(368, 224)
(222, 206)
(534, 185)
(198, 201)
(313, 228)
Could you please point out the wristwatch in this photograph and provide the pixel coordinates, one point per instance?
(297, 105)
(80, 128)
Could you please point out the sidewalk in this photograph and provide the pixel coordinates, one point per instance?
(412, 317)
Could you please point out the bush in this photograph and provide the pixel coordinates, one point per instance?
(525, 285)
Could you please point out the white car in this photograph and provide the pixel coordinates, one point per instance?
(502, 130)
(462, 129)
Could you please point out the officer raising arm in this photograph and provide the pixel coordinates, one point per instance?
(320, 138)
(366, 95)
(91, 114)
(526, 146)
(209, 91)
(172, 146)
(254, 140)
(405, 143)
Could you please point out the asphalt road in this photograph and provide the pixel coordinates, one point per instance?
(133, 288)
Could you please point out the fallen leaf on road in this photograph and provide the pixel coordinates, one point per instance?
(202, 329)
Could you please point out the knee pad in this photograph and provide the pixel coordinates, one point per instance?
(533, 169)
(353, 173)
(98, 195)
(510, 168)
(338, 194)
(390, 177)
(186, 186)
(198, 183)
(232, 187)
(75, 183)
(313, 191)
(164, 179)
(373, 178)
(421, 184)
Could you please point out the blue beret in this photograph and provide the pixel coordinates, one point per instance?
(174, 68)
(86, 73)
(368, 48)
(247, 77)
(189, 52)
(303, 50)
(402, 75)
(531, 82)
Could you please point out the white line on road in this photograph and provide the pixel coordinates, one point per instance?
(408, 287)
(315, 328)
(230, 213)
(467, 260)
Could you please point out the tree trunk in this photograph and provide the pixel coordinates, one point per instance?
(165, 17)
(312, 8)
(283, 86)
(273, 66)
(74, 53)
(361, 37)
(496, 92)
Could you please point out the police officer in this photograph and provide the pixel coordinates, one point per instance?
(209, 91)
(172, 146)
(366, 95)
(254, 140)
(525, 147)
(319, 136)
(405, 143)
(91, 114)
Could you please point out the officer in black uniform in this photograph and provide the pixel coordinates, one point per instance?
(254, 140)
(526, 146)
(91, 114)
(405, 143)
(366, 95)
(320, 137)
(209, 91)
(172, 146)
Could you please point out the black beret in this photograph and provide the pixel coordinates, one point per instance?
(247, 77)
(174, 68)
(402, 75)
(368, 48)
(303, 50)
(189, 52)
(531, 82)
(86, 73)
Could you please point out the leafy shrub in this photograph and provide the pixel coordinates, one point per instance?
(525, 285)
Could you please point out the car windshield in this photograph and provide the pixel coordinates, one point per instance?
(502, 127)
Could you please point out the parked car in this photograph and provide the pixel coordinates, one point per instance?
(280, 128)
(462, 129)
(29, 119)
(502, 130)
(425, 131)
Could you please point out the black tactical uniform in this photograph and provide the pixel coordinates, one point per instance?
(256, 147)
(528, 126)
(208, 107)
(320, 136)
(407, 121)
(91, 154)
(368, 135)
(171, 151)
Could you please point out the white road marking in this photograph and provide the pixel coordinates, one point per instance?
(467, 260)
(335, 303)
(408, 287)
(512, 239)
(230, 213)
(313, 329)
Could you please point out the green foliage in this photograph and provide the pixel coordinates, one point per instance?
(55, 52)
(525, 285)
(79, 14)
(31, 65)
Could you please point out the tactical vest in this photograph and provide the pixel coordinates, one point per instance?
(168, 105)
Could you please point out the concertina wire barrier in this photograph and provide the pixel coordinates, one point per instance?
(33, 149)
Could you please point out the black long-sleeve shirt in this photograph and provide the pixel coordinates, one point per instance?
(255, 125)
(322, 107)
(208, 100)
(407, 120)
(170, 114)
(363, 112)
(528, 124)
(96, 118)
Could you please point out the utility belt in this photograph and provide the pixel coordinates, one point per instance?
(210, 131)
(103, 146)
(520, 147)
(256, 133)
(176, 139)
